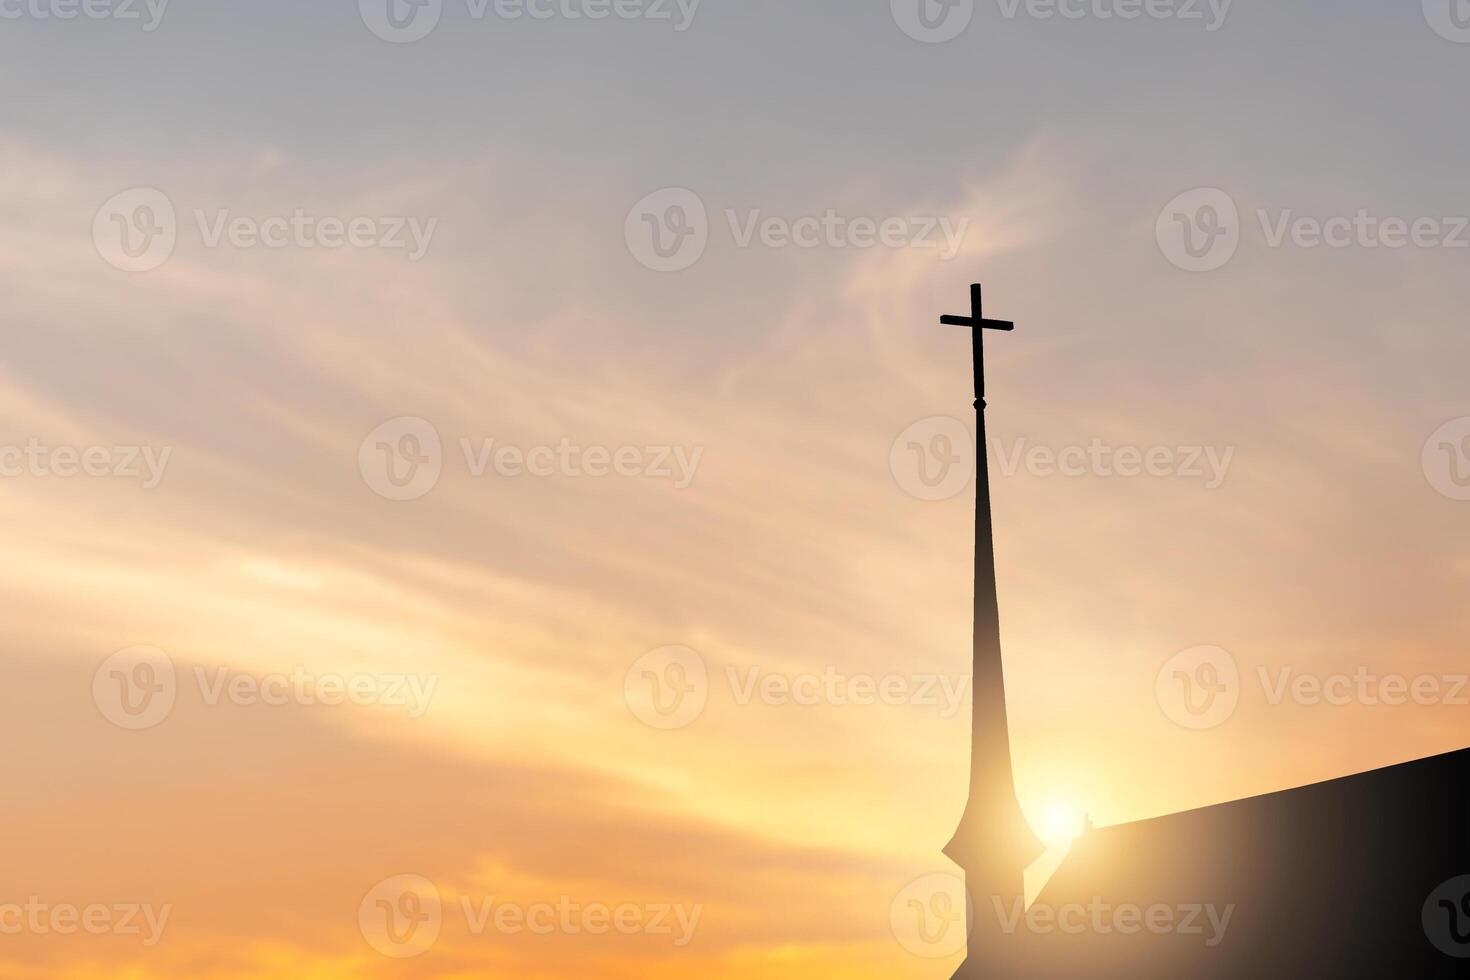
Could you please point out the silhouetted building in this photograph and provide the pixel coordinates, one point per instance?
(1362, 877)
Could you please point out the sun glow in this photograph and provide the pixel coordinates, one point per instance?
(1061, 823)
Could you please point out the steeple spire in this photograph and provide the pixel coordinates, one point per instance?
(994, 843)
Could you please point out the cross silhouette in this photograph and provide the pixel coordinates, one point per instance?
(977, 320)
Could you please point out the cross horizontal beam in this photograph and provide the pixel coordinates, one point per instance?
(984, 324)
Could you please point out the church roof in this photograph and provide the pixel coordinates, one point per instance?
(1364, 876)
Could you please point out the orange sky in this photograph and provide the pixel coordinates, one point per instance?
(528, 779)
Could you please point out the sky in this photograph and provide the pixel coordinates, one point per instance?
(490, 495)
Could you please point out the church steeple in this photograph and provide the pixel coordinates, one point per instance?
(994, 843)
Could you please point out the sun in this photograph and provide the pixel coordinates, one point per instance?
(1061, 823)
